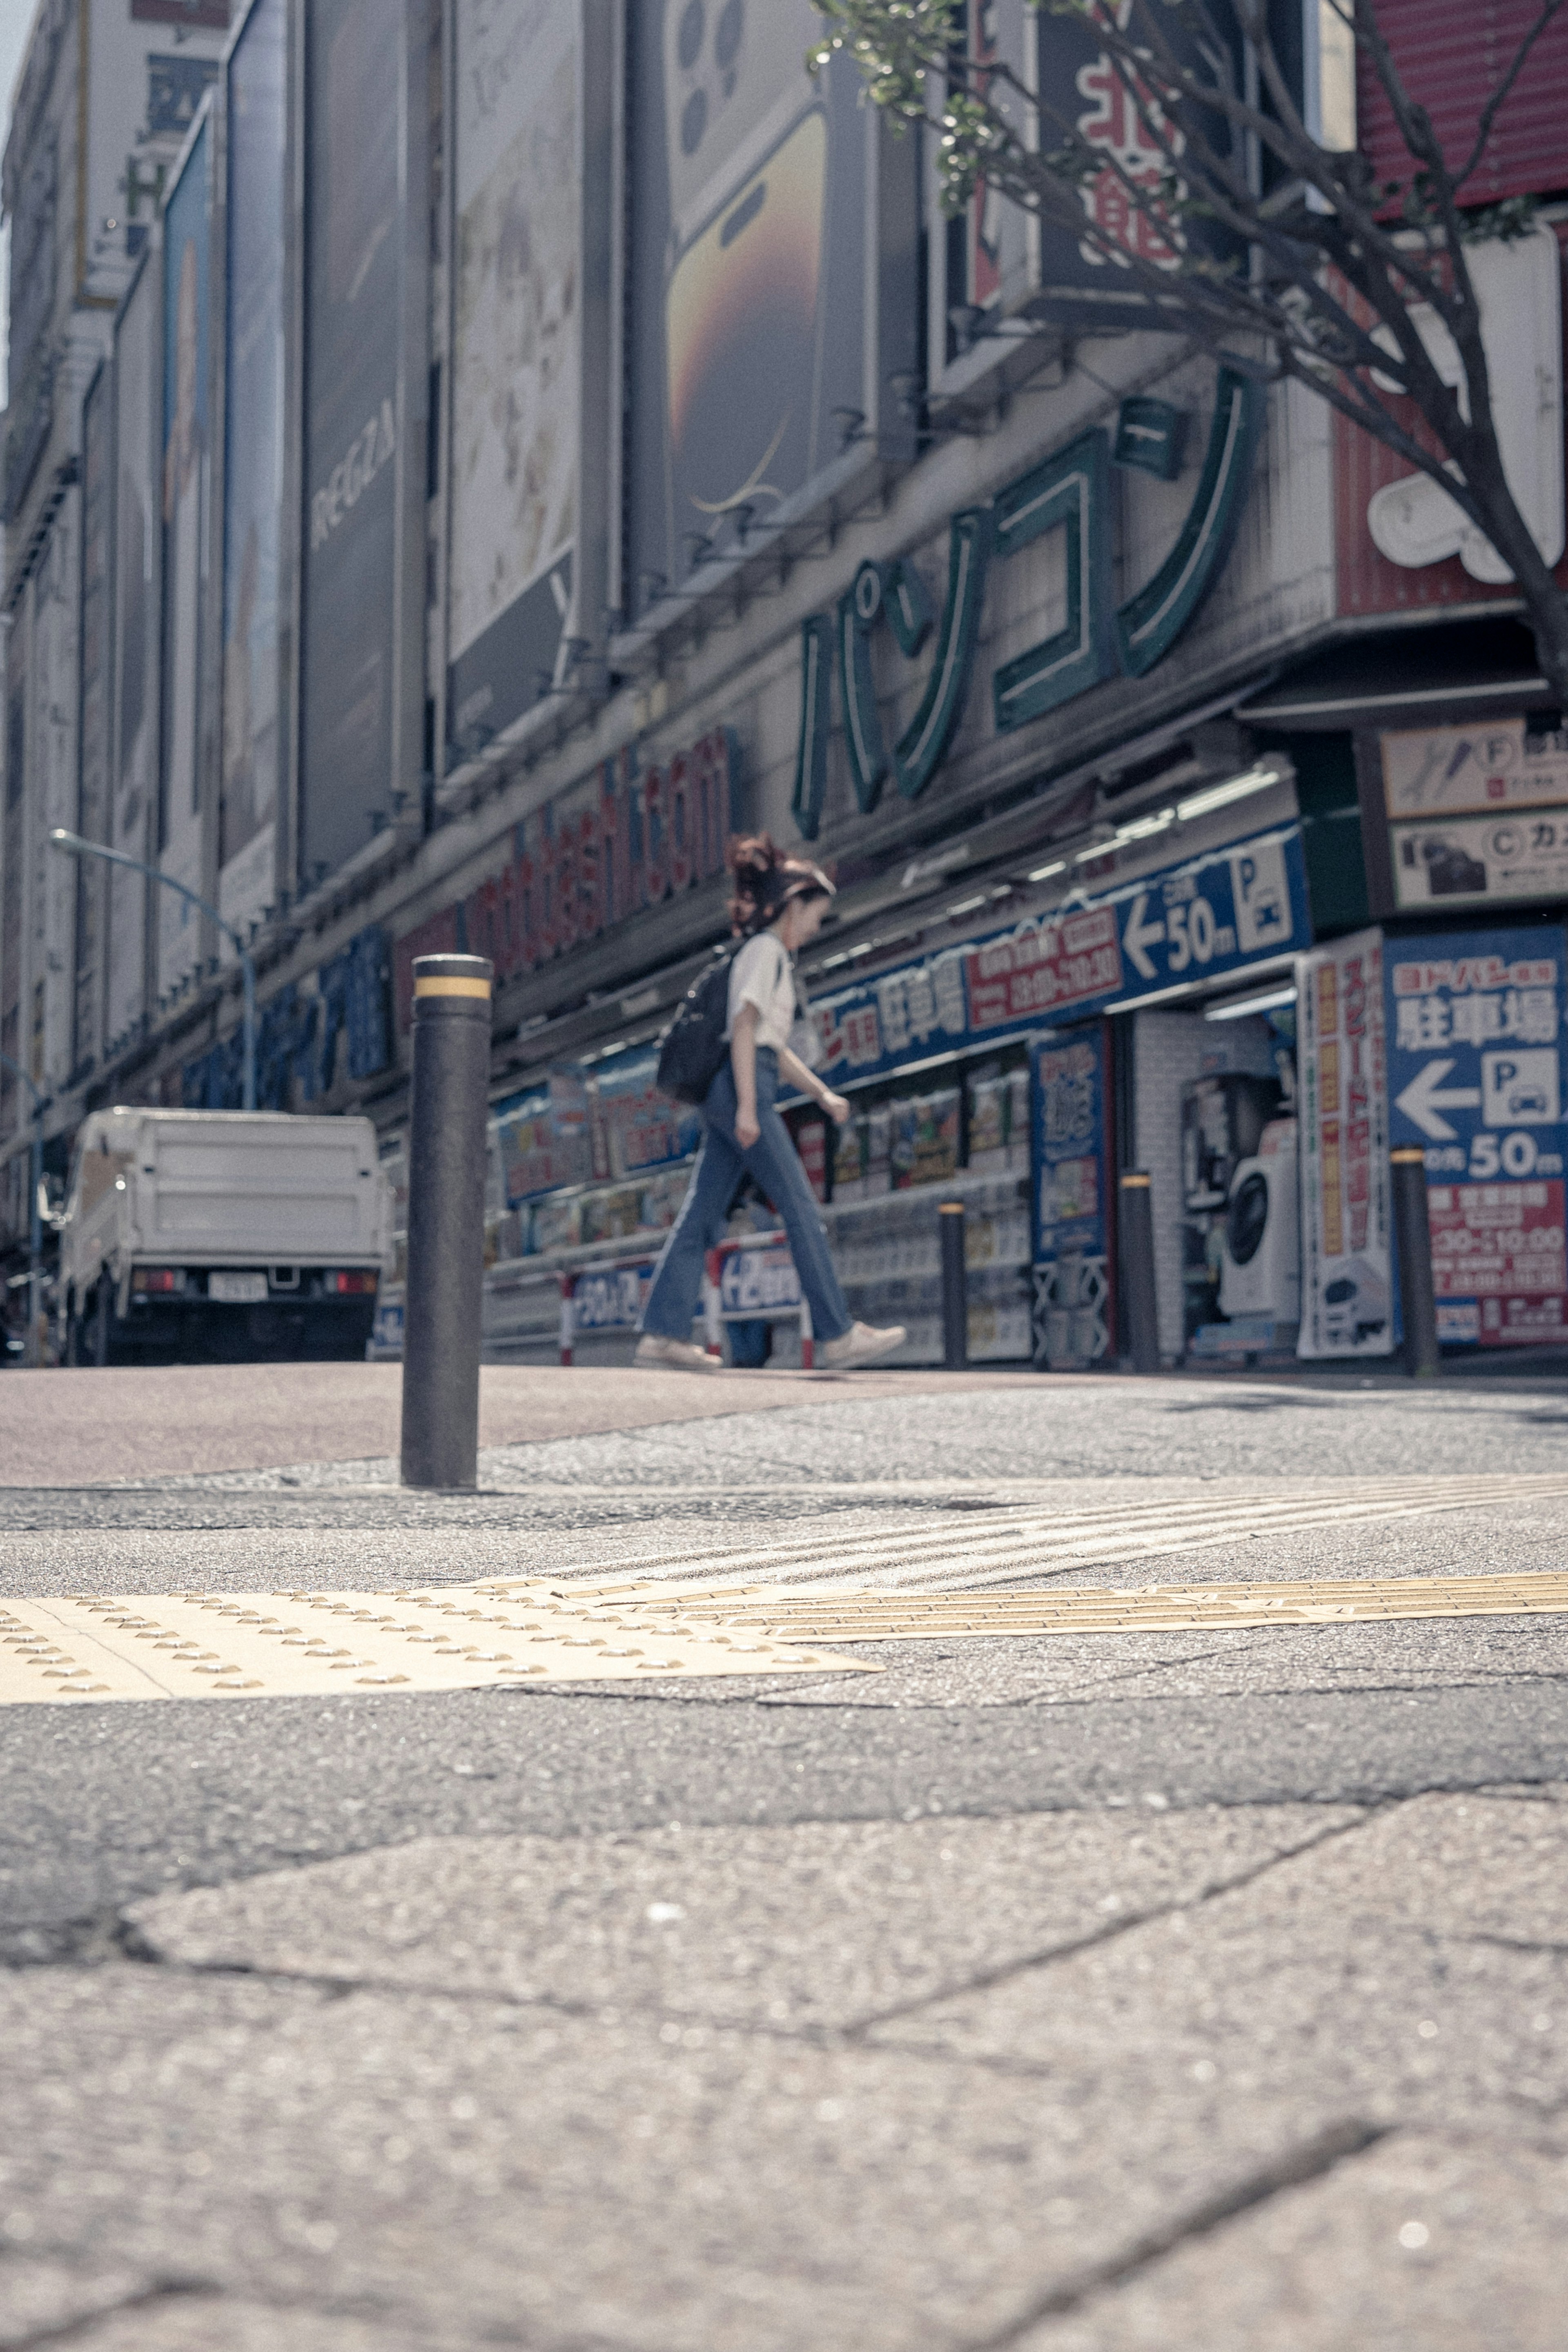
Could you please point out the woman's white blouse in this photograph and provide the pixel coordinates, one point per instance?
(761, 975)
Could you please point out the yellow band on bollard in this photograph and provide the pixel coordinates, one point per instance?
(1135, 1183)
(1407, 1154)
(440, 987)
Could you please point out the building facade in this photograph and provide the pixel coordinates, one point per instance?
(445, 539)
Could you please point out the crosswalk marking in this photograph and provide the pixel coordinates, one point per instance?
(1020, 1542)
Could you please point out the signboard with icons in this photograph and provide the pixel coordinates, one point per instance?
(1214, 914)
(1475, 1021)
(1466, 817)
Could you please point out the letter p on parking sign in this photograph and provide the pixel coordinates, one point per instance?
(1263, 896)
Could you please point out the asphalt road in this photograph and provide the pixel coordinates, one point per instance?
(1202, 1988)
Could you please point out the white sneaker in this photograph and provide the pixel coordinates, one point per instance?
(860, 1344)
(673, 1356)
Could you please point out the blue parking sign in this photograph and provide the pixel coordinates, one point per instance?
(1475, 1079)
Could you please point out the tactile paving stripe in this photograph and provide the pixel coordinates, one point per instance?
(791, 1616)
(260, 1644)
(1012, 1543)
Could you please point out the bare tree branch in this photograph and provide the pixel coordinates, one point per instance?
(1489, 112)
(1334, 275)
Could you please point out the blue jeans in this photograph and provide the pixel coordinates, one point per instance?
(677, 1292)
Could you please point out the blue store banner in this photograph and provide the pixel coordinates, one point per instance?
(1070, 1207)
(1475, 1076)
(1212, 915)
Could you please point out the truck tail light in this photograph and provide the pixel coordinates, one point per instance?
(349, 1285)
(158, 1278)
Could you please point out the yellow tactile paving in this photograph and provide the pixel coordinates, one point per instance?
(789, 1615)
(261, 1644)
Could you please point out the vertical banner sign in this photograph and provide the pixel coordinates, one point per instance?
(137, 542)
(187, 476)
(1073, 1310)
(1079, 87)
(92, 795)
(1475, 1076)
(1346, 1260)
(354, 240)
(747, 238)
(516, 364)
(253, 467)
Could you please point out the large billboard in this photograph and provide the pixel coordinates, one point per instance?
(749, 202)
(516, 357)
(353, 329)
(93, 736)
(1475, 1079)
(252, 465)
(187, 479)
(133, 799)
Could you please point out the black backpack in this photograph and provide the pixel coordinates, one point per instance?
(692, 1049)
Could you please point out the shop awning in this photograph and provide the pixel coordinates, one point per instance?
(1404, 676)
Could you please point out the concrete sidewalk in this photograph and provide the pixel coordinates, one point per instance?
(88, 1428)
(1201, 1990)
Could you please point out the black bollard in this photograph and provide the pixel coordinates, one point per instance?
(1413, 1234)
(954, 1286)
(445, 1220)
(1137, 1272)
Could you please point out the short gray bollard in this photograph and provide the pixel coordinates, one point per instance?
(1413, 1234)
(1136, 1271)
(955, 1287)
(445, 1220)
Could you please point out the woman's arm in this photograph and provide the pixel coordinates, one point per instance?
(793, 1068)
(743, 1062)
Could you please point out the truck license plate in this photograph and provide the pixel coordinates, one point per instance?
(238, 1290)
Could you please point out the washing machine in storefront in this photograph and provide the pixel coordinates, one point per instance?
(1261, 1263)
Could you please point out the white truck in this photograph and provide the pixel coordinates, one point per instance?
(221, 1234)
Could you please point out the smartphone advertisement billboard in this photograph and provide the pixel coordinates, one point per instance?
(355, 235)
(748, 317)
(187, 478)
(1474, 1077)
(252, 465)
(515, 361)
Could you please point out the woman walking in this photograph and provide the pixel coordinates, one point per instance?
(777, 906)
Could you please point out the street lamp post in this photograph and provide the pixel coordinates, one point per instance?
(35, 1222)
(75, 847)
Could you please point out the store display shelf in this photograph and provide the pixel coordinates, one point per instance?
(516, 1272)
(1004, 1189)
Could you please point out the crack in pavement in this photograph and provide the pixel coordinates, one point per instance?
(1310, 2160)
(986, 1980)
(79, 2329)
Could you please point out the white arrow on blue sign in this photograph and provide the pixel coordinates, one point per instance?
(1425, 1098)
